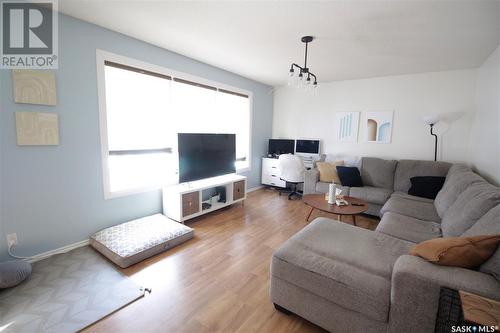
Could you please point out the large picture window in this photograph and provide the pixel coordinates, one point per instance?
(143, 107)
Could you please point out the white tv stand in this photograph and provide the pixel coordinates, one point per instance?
(185, 201)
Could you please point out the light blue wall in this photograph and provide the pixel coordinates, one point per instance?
(2, 111)
(53, 196)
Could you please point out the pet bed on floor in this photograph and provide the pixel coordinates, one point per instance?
(128, 243)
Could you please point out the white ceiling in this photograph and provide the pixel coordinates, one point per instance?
(354, 39)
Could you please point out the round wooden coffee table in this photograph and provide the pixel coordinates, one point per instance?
(317, 201)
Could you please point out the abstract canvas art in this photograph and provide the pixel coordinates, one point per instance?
(37, 129)
(379, 126)
(34, 86)
(346, 126)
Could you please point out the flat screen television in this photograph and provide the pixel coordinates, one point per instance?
(280, 146)
(205, 155)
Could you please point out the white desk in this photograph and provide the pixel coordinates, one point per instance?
(270, 175)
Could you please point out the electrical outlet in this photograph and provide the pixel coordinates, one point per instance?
(11, 239)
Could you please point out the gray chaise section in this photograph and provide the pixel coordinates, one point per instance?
(321, 311)
(348, 279)
(323, 260)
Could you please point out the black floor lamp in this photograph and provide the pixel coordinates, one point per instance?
(431, 121)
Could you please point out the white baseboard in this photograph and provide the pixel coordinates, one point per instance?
(255, 188)
(76, 245)
(63, 249)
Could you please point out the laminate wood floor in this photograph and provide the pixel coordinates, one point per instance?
(219, 281)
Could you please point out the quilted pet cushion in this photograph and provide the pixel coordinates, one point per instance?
(131, 242)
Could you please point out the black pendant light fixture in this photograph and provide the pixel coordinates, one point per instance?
(302, 77)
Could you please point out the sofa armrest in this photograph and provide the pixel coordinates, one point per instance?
(311, 177)
(415, 289)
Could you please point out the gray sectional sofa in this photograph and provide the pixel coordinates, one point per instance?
(381, 179)
(349, 279)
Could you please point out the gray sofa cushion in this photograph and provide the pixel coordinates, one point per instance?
(14, 272)
(407, 196)
(413, 208)
(408, 228)
(407, 169)
(378, 172)
(348, 266)
(457, 168)
(371, 194)
(470, 206)
(489, 224)
(322, 187)
(458, 179)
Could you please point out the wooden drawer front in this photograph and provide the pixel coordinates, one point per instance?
(190, 203)
(238, 190)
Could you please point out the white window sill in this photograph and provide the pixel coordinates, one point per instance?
(243, 170)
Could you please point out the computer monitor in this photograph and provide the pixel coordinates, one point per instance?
(308, 150)
(280, 146)
(307, 147)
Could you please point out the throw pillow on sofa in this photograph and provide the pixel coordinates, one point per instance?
(349, 176)
(328, 171)
(426, 186)
(465, 252)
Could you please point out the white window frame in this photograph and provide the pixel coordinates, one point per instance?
(101, 57)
